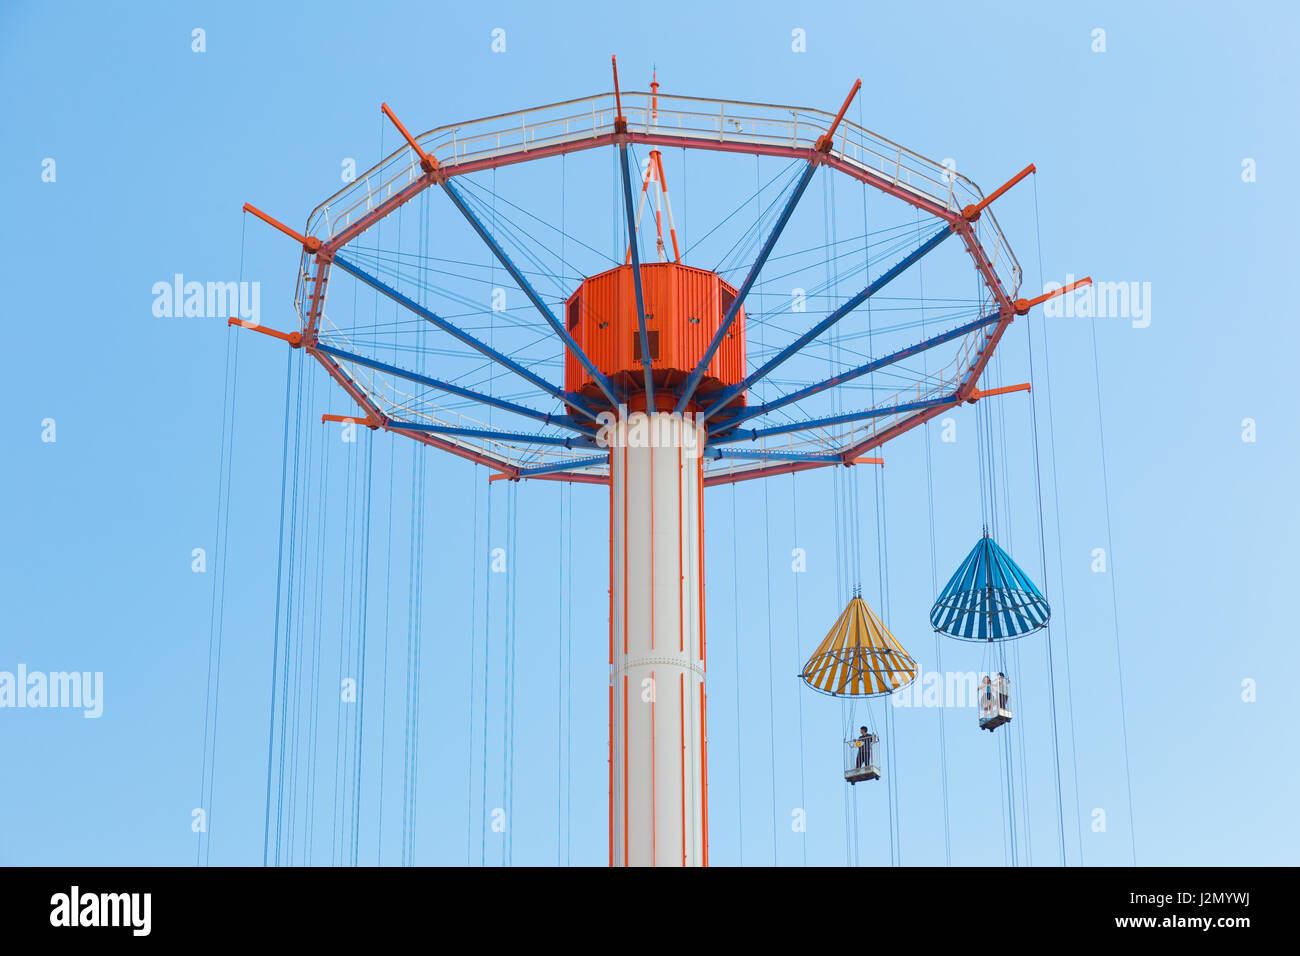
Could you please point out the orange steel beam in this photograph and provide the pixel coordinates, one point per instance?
(973, 212)
(1024, 305)
(427, 162)
(620, 121)
(826, 139)
(293, 338)
(867, 461)
(310, 243)
(354, 419)
(977, 393)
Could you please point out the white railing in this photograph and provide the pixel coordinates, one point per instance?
(722, 121)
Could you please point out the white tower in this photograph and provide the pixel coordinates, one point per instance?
(658, 705)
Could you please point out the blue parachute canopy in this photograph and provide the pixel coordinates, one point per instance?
(989, 598)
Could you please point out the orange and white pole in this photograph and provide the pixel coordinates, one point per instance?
(658, 800)
(668, 206)
(655, 171)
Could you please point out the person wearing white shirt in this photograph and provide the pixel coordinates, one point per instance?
(986, 697)
(1002, 687)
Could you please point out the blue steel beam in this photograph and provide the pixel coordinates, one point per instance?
(521, 437)
(752, 434)
(647, 364)
(563, 466)
(605, 385)
(479, 346)
(872, 366)
(448, 387)
(871, 289)
(688, 389)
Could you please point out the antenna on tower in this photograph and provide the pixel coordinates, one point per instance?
(654, 172)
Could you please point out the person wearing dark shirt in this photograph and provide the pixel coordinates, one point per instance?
(864, 747)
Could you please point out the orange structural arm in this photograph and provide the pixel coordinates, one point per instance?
(427, 162)
(1024, 305)
(354, 419)
(977, 393)
(293, 338)
(826, 139)
(310, 243)
(868, 461)
(973, 212)
(620, 120)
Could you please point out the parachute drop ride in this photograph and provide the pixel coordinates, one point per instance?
(990, 599)
(636, 375)
(859, 658)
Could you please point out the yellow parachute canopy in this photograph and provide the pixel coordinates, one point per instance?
(859, 657)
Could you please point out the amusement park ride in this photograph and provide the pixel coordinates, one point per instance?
(660, 399)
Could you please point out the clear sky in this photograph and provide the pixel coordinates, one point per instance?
(1161, 160)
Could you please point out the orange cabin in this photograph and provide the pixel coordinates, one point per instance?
(684, 307)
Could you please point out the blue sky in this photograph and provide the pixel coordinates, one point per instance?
(1140, 154)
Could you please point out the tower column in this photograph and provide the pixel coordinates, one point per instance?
(658, 702)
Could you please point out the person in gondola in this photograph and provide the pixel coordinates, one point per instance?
(986, 697)
(864, 747)
(1002, 686)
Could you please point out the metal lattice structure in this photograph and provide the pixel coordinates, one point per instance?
(760, 439)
